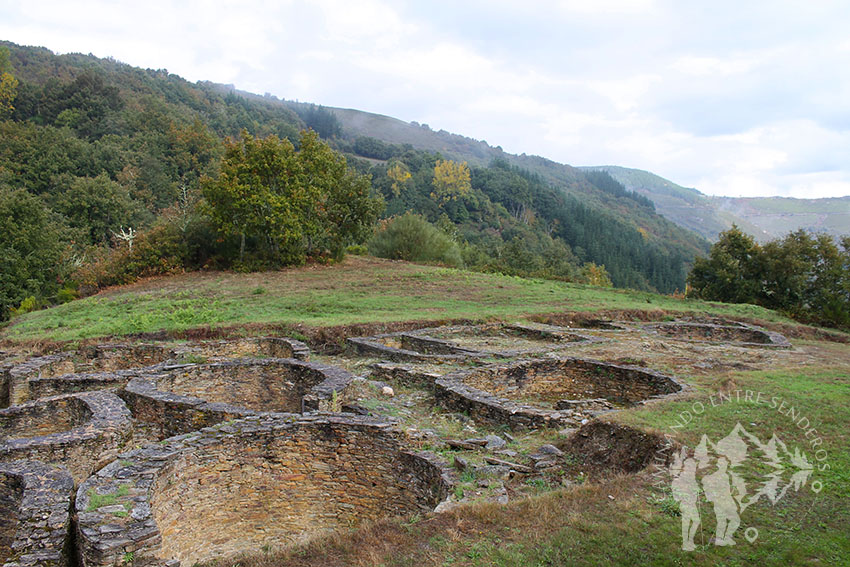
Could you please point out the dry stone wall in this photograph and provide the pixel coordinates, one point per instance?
(81, 431)
(574, 390)
(74, 383)
(403, 347)
(743, 334)
(159, 414)
(257, 384)
(249, 347)
(479, 341)
(263, 480)
(103, 366)
(501, 340)
(35, 514)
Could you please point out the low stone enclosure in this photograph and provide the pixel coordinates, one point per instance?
(739, 333)
(248, 347)
(263, 480)
(35, 514)
(182, 398)
(468, 341)
(550, 392)
(83, 431)
(108, 366)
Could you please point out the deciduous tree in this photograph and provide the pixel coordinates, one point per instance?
(289, 205)
(451, 181)
(8, 84)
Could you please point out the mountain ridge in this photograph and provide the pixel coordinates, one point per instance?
(764, 218)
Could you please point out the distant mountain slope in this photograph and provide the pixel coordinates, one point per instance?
(765, 218)
(357, 123)
(775, 216)
(572, 181)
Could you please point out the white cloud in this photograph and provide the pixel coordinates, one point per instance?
(605, 7)
(730, 98)
(713, 66)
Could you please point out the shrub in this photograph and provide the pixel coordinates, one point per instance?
(28, 304)
(160, 250)
(411, 237)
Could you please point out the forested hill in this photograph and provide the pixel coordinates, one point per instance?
(614, 201)
(764, 218)
(91, 147)
(616, 227)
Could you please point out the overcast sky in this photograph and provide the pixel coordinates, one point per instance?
(740, 98)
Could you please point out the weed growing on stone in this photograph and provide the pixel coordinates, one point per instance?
(97, 500)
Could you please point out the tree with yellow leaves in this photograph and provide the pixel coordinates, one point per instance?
(451, 180)
(400, 175)
(8, 84)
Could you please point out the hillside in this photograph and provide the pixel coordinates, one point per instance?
(94, 146)
(775, 216)
(360, 290)
(765, 218)
(355, 123)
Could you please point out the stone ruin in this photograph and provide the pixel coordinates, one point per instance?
(740, 334)
(444, 344)
(82, 431)
(550, 392)
(113, 365)
(187, 452)
(233, 432)
(35, 515)
(171, 400)
(262, 480)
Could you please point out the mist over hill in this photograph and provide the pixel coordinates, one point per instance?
(765, 218)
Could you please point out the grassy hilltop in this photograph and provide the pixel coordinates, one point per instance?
(360, 290)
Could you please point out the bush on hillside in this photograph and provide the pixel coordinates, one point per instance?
(410, 237)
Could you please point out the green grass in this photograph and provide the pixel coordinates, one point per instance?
(803, 528)
(97, 500)
(360, 290)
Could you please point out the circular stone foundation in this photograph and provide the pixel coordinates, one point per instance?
(35, 514)
(504, 340)
(267, 480)
(252, 347)
(407, 347)
(97, 361)
(740, 334)
(468, 341)
(551, 392)
(182, 398)
(81, 431)
(258, 384)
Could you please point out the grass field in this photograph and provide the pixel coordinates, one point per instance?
(360, 290)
